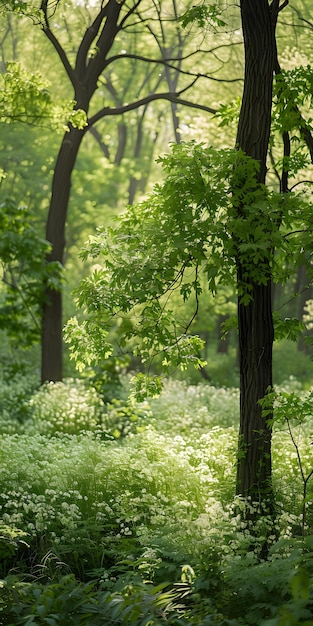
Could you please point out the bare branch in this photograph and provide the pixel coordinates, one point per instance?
(89, 36)
(283, 6)
(128, 14)
(62, 55)
(166, 63)
(105, 41)
(301, 182)
(300, 17)
(103, 146)
(171, 97)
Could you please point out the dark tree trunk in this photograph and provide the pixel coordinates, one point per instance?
(84, 78)
(255, 319)
(52, 344)
(255, 357)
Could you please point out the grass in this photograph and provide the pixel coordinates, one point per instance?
(135, 519)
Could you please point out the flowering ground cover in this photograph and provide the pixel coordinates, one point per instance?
(125, 513)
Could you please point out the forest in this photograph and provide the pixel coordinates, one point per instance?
(156, 313)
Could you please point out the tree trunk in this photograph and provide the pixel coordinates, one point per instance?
(304, 289)
(84, 78)
(52, 344)
(255, 319)
(255, 354)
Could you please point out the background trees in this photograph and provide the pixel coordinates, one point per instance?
(94, 56)
(213, 216)
(125, 151)
(119, 492)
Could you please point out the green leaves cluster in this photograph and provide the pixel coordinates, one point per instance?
(24, 272)
(204, 16)
(20, 8)
(207, 216)
(25, 97)
(293, 92)
(288, 407)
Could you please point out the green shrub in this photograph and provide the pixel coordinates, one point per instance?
(65, 407)
(10, 540)
(71, 603)
(15, 393)
(148, 506)
(124, 417)
(192, 409)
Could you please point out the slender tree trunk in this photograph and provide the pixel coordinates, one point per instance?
(304, 289)
(255, 319)
(52, 344)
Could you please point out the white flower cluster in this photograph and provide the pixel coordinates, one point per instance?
(66, 407)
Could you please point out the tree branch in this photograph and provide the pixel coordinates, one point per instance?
(62, 55)
(103, 146)
(105, 41)
(171, 97)
(128, 14)
(302, 19)
(283, 6)
(89, 36)
(166, 63)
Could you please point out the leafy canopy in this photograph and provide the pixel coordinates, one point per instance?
(190, 227)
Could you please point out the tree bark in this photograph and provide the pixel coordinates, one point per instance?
(255, 356)
(52, 344)
(255, 319)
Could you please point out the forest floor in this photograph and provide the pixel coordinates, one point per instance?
(135, 521)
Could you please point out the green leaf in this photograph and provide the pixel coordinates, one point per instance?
(300, 585)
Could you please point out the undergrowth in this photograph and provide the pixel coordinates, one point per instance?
(125, 514)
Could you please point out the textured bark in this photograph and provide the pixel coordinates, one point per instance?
(52, 344)
(255, 349)
(255, 319)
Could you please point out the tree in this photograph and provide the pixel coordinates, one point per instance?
(213, 216)
(255, 319)
(93, 57)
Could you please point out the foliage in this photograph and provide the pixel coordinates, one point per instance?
(25, 97)
(187, 228)
(24, 273)
(293, 411)
(122, 418)
(145, 528)
(15, 392)
(74, 603)
(204, 16)
(10, 540)
(65, 407)
(20, 7)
